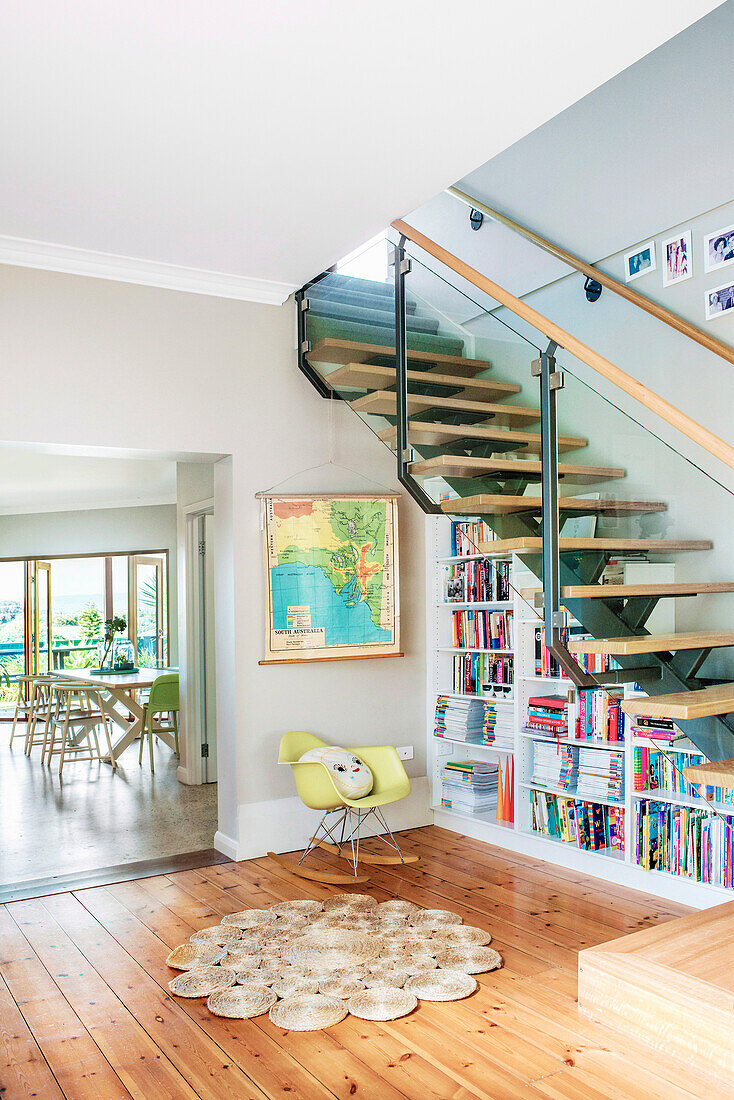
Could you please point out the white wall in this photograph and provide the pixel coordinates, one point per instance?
(646, 150)
(205, 375)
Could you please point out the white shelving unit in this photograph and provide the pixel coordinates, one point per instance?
(519, 836)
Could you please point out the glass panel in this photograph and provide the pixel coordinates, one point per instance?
(151, 611)
(12, 629)
(350, 326)
(120, 577)
(473, 415)
(78, 611)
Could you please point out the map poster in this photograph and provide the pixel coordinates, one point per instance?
(332, 577)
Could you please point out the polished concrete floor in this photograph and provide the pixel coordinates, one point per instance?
(95, 818)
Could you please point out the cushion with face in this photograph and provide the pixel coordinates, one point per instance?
(352, 778)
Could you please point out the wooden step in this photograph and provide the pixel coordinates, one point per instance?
(374, 376)
(685, 704)
(718, 773)
(654, 643)
(384, 403)
(332, 350)
(422, 433)
(503, 468)
(629, 591)
(501, 505)
(528, 544)
(671, 986)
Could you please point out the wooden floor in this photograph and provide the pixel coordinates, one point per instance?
(86, 1013)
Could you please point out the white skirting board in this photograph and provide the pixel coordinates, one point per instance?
(285, 824)
(227, 845)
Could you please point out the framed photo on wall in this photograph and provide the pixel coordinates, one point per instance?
(719, 301)
(677, 259)
(641, 261)
(718, 248)
(331, 565)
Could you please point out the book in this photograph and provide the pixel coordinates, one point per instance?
(481, 580)
(588, 825)
(692, 843)
(482, 629)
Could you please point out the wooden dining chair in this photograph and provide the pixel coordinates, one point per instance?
(23, 704)
(38, 718)
(77, 712)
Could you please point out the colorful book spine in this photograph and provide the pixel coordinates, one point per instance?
(478, 673)
(482, 629)
(691, 843)
(588, 825)
(480, 580)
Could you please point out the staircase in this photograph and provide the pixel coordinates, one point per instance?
(480, 439)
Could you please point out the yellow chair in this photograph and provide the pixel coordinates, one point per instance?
(317, 790)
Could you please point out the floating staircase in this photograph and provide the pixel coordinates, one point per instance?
(480, 439)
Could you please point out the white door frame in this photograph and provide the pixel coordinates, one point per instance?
(192, 770)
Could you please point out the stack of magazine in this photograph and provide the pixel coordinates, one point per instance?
(469, 785)
(601, 775)
(459, 719)
(554, 766)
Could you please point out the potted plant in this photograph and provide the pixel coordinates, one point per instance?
(109, 661)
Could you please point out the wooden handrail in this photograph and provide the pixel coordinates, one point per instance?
(664, 409)
(693, 332)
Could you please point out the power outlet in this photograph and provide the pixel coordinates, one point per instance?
(405, 752)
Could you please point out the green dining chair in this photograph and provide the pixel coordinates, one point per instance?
(163, 699)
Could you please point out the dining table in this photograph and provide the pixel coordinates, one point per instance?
(120, 700)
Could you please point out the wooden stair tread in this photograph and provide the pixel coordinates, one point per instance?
(628, 591)
(375, 376)
(530, 544)
(500, 504)
(685, 704)
(384, 403)
(435, 434)
(470, 466)
(654, 643)
(717, 773)
(332, 350)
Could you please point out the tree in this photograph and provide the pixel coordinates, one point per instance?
(90, 622)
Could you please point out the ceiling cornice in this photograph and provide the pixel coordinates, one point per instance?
(125, 269)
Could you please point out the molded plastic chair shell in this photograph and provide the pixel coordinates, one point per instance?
(164, 693)
(314, 781)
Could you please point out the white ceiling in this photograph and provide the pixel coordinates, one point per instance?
(33, 481)
(237, 147)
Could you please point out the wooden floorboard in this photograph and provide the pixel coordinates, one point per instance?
(87, 1015)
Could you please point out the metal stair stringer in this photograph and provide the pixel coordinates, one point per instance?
(714, 736)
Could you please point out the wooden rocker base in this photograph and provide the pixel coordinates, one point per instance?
(365, 857)
(328, 879)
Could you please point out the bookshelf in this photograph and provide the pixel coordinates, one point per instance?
(612, 864)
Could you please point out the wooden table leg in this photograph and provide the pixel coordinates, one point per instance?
(131, 730)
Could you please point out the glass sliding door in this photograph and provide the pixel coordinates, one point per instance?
(148, 613)
(12, 628)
